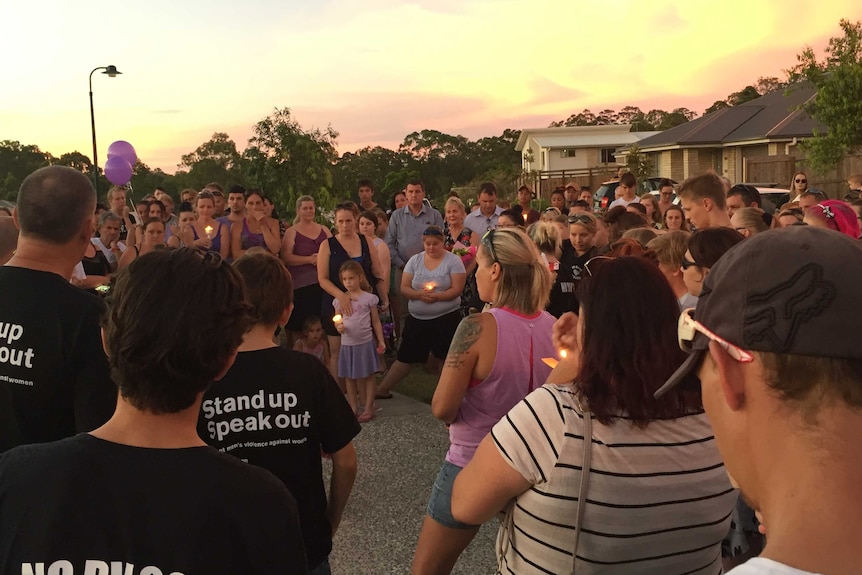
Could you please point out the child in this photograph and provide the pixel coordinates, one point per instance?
(312, 341)
(358, 361)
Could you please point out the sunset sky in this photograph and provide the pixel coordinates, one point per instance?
(377, 69)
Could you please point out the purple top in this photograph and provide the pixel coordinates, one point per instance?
(250, 240)
(518, 369)
(216, 239)
(305, 274)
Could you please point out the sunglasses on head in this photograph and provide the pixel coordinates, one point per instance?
(432, 232)
(488, 241)
(580, 219)
(592, 266)
(688, 327)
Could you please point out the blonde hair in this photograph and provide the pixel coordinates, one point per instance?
(751, 219)
(299, 202)
(354, 267)
(546, 236)
(456, 201)
(670, 248)
(525, 282)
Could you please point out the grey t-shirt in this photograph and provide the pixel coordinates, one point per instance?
(439, 278)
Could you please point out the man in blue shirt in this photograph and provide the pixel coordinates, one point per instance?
(404, 238)
(485, 218)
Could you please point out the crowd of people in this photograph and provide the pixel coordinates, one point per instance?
(657, 388)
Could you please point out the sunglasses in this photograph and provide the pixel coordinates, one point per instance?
(592, 266)
(432, 232)
(801, 181)
(666, 193)
(580, 219)
(688, 327)
(488, 241)
(688, 263)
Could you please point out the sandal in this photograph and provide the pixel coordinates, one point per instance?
(365, 417)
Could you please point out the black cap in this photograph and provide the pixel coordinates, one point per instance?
(792, 290)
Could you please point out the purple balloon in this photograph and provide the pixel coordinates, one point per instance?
(124, 150)
(118, 171)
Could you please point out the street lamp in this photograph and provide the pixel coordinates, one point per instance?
(111, 71)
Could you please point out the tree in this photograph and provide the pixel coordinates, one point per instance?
(214, 161)
(17, 161)
(76, 160)
(374, 164)
(639, 163)
(747, 94)
(287, 161)
(838, 104)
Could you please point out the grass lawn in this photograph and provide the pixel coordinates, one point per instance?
(419, 385)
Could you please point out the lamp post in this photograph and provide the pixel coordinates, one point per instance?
(111, 71)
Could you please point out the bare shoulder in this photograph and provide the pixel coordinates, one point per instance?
(468, 337)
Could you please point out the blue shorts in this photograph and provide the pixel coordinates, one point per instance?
(440, 503)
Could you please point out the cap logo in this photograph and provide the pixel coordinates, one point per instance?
(774, 317)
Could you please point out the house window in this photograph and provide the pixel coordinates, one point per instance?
(567, 153)
(607, 155)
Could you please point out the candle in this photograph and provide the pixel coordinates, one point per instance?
(525, 218)
(336, 319)
(563, 354)
(429, 286)
(209, 232)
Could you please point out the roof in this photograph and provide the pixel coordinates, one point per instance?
(606, 136)
(592, 140)
(773, 116)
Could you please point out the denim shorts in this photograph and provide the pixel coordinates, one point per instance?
(440, 503)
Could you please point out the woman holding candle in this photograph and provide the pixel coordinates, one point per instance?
(299, 250)
(347, 245)
(256, 229)
(207, 233)
(432, 283)
(494, 361)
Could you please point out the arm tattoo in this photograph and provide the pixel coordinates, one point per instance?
(468, 333)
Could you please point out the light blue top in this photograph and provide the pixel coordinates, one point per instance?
(479, 223)
(404, 234)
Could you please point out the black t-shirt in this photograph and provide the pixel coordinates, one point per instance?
(277, 408)
(54, 376)
(85, 505)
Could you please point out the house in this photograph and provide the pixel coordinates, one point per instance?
(752, 142)
(574, 148)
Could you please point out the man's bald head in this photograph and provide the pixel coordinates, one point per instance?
(8, 238)
(54, 203)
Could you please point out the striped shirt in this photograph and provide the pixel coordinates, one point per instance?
(659, 500)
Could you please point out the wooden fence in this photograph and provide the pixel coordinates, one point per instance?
(780, 170)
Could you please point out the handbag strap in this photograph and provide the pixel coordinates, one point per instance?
(585, 479)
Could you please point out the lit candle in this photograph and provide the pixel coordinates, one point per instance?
(563, 354)
(429, 286)
(336, 319)
(209, 232)
(525, 218)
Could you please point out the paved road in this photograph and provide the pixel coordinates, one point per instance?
(399, 453)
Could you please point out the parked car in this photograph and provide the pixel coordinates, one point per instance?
(606, 193)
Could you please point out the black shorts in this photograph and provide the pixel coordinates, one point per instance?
(306, 303)
(424, 335)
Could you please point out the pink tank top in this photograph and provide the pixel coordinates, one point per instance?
(518, 369)
(305, 274)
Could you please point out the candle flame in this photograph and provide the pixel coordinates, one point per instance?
(336, 318)
(429, 286)
(563, 354)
